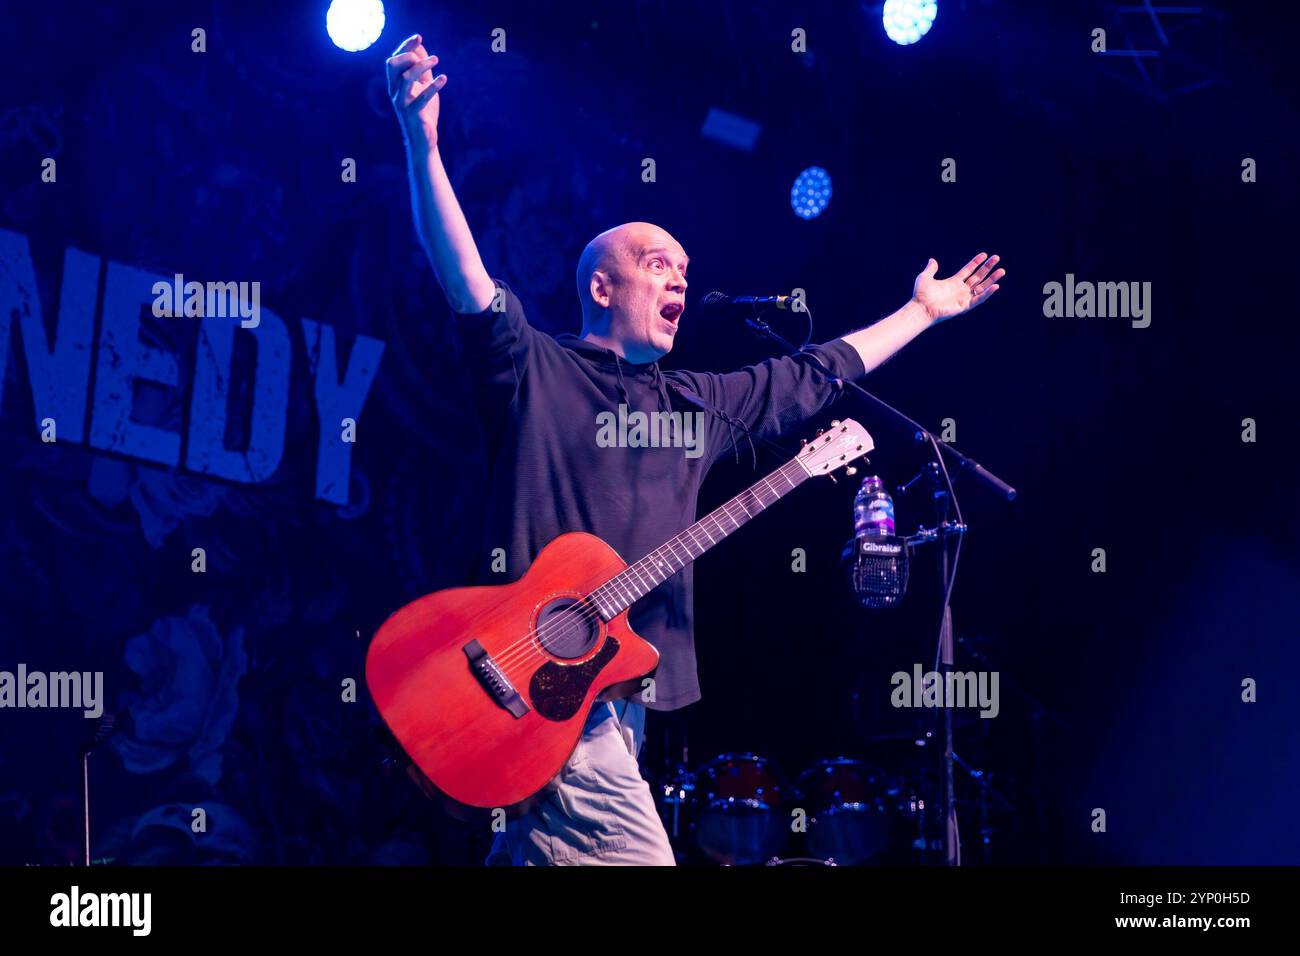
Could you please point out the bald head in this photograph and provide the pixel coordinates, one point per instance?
(601, 253)
(614, 251)
(632, 286)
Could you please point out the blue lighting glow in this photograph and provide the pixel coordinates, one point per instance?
(811, 193)
(906, 21)
(354, 25)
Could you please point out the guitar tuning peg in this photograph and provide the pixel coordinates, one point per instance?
(835, 423)
(850, 471)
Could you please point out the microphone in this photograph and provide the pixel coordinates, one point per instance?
(878, 572)
(744, 306)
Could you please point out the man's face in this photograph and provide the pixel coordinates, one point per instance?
(647, 293)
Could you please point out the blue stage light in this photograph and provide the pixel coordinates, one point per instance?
(354, 24)
(906, 21)
(811, 192)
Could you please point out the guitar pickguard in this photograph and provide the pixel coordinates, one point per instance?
(557, 690)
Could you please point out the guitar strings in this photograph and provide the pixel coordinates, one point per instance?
(523, 649)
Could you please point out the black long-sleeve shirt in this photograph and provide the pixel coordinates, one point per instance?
(540, 397)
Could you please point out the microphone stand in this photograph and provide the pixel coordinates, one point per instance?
(944, 530)
(101, 731)
(920, 432)
(944, 498)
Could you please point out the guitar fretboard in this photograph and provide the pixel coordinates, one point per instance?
(639, 578)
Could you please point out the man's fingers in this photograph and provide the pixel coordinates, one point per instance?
(429, 92)
(400, 61)
(931, 267)
(968, 268)
(420, 68)
(979, 287)
(982, 271)
(395, 66)
(410, 43)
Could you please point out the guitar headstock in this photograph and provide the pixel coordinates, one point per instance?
(843, 442)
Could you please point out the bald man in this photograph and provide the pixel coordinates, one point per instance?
(542, 398)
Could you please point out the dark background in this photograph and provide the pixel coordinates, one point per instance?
(226, 164)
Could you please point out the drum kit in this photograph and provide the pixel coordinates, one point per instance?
(739, 809)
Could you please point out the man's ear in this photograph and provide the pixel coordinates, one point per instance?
(599, 288)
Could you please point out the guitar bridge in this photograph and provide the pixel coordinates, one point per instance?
(494, 681)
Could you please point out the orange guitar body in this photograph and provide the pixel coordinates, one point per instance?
(445, 714)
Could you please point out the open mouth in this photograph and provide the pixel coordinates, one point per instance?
(672, 311)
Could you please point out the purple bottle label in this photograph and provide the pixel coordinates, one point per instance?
(880, 516)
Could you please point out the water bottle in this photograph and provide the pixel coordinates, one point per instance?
(873, 509)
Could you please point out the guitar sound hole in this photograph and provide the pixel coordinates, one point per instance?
(568, 629)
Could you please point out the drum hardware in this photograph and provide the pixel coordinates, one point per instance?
(800, 861)
(737, 818)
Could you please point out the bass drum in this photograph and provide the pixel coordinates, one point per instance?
(737, 814)
(851, 809)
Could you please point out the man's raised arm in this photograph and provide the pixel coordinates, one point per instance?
(933, 300)
(439, 221)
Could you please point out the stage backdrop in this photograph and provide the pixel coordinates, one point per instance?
(214, 513)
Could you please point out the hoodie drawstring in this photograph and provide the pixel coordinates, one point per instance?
(731, 421)
(622, 386)
(664, 403)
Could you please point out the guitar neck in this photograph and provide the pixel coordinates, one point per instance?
(638, 579)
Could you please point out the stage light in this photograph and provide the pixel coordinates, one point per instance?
(354, 24)
(906, 21)
(811, 193)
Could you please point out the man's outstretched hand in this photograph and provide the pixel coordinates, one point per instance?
(414, 90)
(971, 285)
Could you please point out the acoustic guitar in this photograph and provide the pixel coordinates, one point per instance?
(488, 688)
